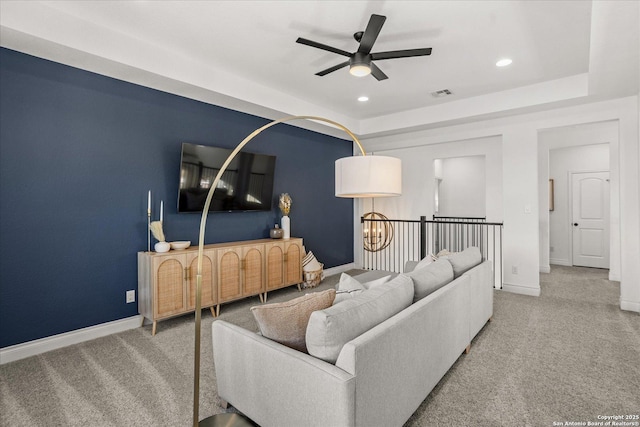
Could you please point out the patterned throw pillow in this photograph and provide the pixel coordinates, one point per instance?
(310, 263)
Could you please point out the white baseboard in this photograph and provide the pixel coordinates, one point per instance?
(614, 277)
(32, 348)
(630, 305)
(519, 289)
(545, 269)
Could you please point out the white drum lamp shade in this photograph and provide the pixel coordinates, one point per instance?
(368, 176)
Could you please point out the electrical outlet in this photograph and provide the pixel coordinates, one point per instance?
(131, 296)
(514, 269)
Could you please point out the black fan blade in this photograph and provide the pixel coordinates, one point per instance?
(377, 72)
(371, 33)
(400, 54)
(322, 46)
(332, 69)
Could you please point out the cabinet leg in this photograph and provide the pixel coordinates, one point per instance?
(213, 311)
(299, 288)
(153, 329)
(217, 310)
(468, 349)
(261, 298)
(265, 298)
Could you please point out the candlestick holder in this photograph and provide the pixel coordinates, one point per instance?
(148, 230)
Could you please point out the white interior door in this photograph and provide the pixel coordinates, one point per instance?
(590, 212)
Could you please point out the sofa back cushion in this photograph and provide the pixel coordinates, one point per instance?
(430, 278)
(465, 260)
(330, 329)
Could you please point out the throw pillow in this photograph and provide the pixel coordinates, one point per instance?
(286, 322)
(465, 260)
(310, 263)
(348, 286)
(425, 261)
(430, 278)
(330, 329)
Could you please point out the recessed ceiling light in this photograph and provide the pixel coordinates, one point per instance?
(363, 98)
(503, 62)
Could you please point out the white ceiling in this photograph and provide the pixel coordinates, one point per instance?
(243, 55)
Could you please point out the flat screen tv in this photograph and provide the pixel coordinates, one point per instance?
(246, 184)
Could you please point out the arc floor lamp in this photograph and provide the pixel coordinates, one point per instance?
(356, 177)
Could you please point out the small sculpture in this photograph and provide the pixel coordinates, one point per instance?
(285, 208)
(285, 204)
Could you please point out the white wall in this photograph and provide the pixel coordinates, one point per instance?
(418, 177)
(519, 174)
(462, 188)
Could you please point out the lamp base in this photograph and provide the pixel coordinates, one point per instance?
(227, 419)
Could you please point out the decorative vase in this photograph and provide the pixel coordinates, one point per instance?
(162, 247)
(285, 224)
(276, 232)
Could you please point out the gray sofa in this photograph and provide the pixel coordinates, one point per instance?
(380, 377)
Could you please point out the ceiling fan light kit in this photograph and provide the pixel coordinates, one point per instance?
(359, 65)
(361, 62)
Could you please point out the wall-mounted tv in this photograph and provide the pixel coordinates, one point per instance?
(246, 185)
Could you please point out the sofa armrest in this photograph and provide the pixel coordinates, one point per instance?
(275, 385)
(480, 296)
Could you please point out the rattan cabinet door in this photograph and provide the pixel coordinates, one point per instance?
(229, 274)
(253, 270)
(274, 254)
(209, 296)
(169, 286)
(293, 262)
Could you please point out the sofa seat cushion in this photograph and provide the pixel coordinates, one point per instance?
(430, 278)
(465, 260)
(330, 329)
(286, 322)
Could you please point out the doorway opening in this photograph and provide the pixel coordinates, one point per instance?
(583, 163)
(579, 221)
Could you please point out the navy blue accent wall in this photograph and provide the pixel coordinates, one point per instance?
(78, 153)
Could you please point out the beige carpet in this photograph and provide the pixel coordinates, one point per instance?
(569, 355)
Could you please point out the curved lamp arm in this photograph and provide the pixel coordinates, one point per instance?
(203, 224)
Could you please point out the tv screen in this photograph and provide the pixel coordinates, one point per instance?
(246, 184)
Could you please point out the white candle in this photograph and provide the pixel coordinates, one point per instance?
(161, 210)
(149, 201)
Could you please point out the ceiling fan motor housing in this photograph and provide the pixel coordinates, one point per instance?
(359, 58)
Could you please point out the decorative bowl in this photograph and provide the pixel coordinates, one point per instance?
(180, 245)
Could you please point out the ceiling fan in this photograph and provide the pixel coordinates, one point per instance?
(360, 62)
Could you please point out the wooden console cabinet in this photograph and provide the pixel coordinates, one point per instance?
(230, 271)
